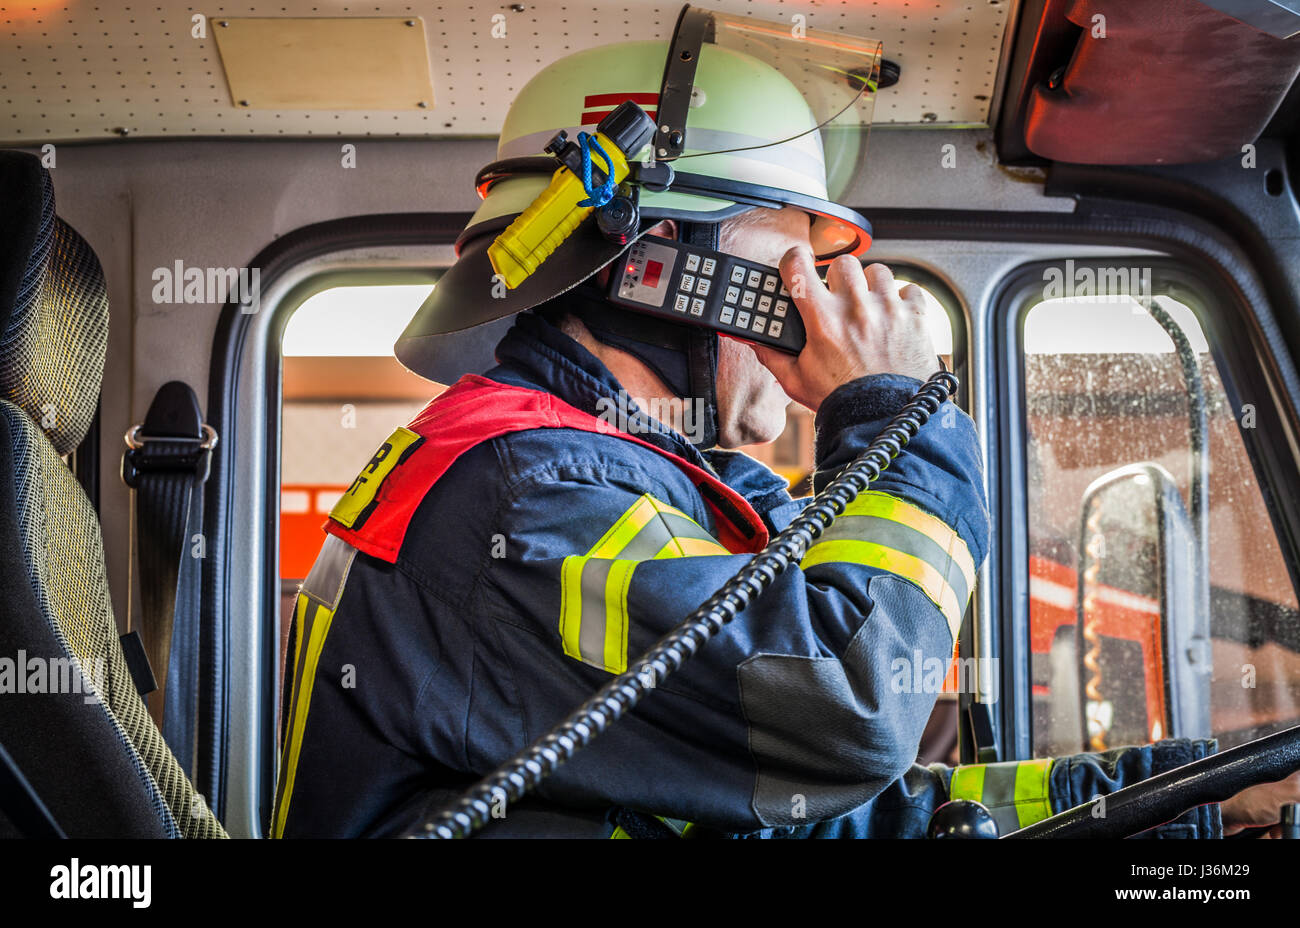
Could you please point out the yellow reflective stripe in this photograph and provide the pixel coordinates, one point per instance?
(616, 584)
(1033, 786)
(1017, 793)
(594, 614)
(907, 566)
(625, 529)
(680, 828)
(967, 783)
(885, 506)
(320, 626)
(571, 605)
(690, 547)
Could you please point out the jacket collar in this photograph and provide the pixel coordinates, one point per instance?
(538, 355)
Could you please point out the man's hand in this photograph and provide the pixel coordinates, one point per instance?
(857, 323)
(1261, 805)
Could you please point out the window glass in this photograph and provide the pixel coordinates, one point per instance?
(343, 394)
(1104, 389)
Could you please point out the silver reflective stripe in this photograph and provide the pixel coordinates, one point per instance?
(591, 639)
(999, 795)
(660, 531)
(325, 582)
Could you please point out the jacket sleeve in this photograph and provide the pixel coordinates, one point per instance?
(803, 709)
(1020, 793)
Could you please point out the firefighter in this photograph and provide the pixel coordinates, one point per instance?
(536, 527)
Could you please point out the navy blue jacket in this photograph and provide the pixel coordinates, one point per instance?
(544, 560)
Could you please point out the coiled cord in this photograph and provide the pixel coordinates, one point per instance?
(521, 774)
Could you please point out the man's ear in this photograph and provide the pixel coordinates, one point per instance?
(665, 229)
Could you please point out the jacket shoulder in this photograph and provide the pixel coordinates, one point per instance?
(473, 500)
(590, 458)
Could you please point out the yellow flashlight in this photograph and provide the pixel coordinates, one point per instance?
(551, 218)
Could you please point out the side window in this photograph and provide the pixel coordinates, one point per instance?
(1105, 389)
(343, 394)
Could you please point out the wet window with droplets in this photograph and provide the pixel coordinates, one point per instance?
(1133, 498)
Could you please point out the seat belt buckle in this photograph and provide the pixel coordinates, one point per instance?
(139, 459)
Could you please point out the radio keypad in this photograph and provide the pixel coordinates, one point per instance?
(755, 301)
(758, 292)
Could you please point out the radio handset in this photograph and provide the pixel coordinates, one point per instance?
(700, 286)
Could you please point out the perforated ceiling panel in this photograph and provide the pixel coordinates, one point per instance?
(78, 70)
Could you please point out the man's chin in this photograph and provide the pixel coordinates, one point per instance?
(761, 432)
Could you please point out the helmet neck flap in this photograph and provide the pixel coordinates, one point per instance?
(684, 357)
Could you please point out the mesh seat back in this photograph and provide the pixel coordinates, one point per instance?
(52, 346)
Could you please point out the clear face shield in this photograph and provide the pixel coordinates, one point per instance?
(818, 92)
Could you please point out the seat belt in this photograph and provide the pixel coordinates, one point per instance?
(167, 461)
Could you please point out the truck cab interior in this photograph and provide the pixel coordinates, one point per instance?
(215, 222)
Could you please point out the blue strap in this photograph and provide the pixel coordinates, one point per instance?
(603, 194)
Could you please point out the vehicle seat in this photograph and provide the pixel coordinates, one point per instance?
(97, 762)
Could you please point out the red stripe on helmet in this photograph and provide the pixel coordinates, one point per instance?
(614, 99)
(592, 117)
(593, 105)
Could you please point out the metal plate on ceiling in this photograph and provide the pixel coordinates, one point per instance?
(326, 63)
(79, 70)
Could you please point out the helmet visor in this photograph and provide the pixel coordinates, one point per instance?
(736, 84)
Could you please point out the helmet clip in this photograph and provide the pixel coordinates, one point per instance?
(657, 177)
